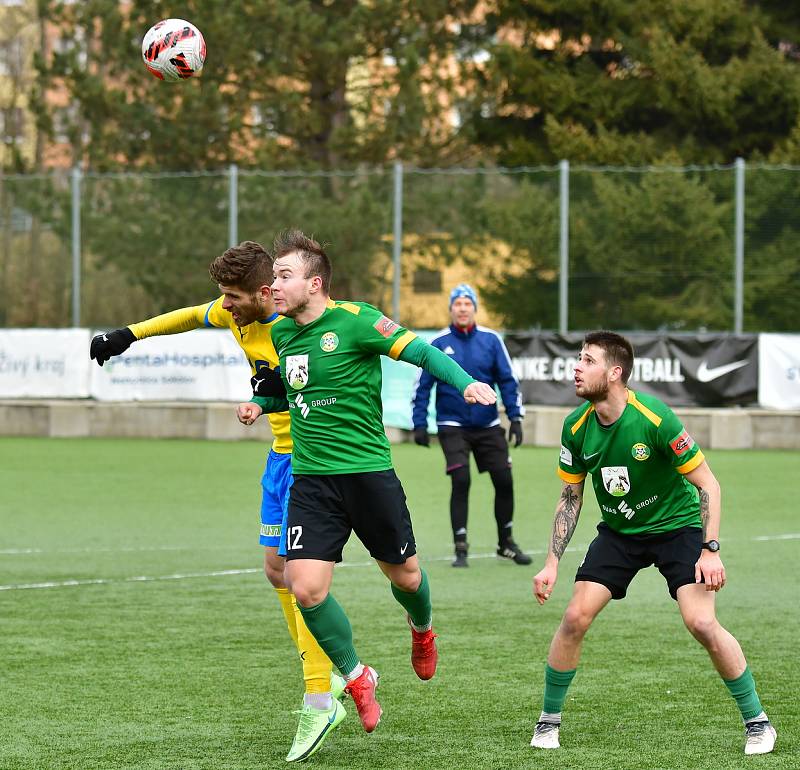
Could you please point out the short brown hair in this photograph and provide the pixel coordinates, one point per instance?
(311, 253)
(618, 350)
(246, 266)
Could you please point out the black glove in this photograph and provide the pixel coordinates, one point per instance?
(515, 432)
(267, 383)
(103, 346)
(421, 437)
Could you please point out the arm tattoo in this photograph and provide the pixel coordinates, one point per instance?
(704, 513)
(567, 511)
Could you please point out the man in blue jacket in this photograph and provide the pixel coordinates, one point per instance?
(465, 428)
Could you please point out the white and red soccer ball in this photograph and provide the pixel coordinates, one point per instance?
(173, 49)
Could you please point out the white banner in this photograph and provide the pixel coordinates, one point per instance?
(44, 363)
(208, 365)
(779, 371)
(200, 365)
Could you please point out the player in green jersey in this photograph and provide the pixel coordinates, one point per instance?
(343, 477)
(660, 505)
(243, 274)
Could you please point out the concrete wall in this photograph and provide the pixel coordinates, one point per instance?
(711, 428)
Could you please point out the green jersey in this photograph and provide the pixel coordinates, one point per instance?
(637, 465)
(332, 371)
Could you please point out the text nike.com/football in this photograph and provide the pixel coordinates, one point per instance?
(560, 369)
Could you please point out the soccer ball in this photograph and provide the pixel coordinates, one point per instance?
(173, 50)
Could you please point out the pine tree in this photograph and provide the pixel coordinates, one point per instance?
(631, 83)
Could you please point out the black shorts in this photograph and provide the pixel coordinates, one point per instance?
(613, 559)
(489, 446)
(324, 510)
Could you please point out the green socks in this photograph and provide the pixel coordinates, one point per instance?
(556, 684)
(417, 605)
(331, 628)
(743, 690)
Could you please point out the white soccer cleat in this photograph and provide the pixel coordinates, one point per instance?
(545, 736)
(760, 737)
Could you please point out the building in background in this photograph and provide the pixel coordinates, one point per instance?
(428, 275)
(25, 147)
(19, 38)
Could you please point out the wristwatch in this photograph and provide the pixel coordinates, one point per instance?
(711, 545)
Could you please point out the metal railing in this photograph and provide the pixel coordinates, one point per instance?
(618, 244)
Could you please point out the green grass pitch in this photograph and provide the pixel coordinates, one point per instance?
(155, 642)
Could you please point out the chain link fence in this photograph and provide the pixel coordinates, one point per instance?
(685, 249)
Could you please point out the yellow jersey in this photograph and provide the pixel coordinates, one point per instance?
(255, 340)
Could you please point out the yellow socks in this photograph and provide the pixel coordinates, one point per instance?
(316, 665)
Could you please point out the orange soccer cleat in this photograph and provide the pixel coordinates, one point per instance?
(362, 691)
(424, 654)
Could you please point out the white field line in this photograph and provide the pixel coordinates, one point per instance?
(216, 573)
(249, 571)
(135, 579)
(157, 548)
(122, 549)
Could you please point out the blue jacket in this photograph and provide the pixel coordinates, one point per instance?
(482, 354)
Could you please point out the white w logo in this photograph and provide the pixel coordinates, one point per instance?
(302, 405)
(625, 509)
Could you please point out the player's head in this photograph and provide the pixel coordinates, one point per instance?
(605, 362)
(302, 273)
(463, 306)
(243, 274)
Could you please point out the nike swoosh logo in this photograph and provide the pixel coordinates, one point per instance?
(589, 457)
(706, 374)
(403, 549)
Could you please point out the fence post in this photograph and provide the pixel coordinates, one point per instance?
(233, 204)
(397, 240)
(738, 275)
(76, 245)
(563, 272)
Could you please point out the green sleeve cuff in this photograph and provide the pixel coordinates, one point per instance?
(441, 366)
(270, 405)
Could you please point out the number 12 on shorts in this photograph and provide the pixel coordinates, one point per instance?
(293, 538)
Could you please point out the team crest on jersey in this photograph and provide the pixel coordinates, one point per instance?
(640, 452)
(329, 342)
(616, 480)
(297, 371)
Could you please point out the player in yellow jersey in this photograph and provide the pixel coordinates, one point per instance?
(244, 274)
